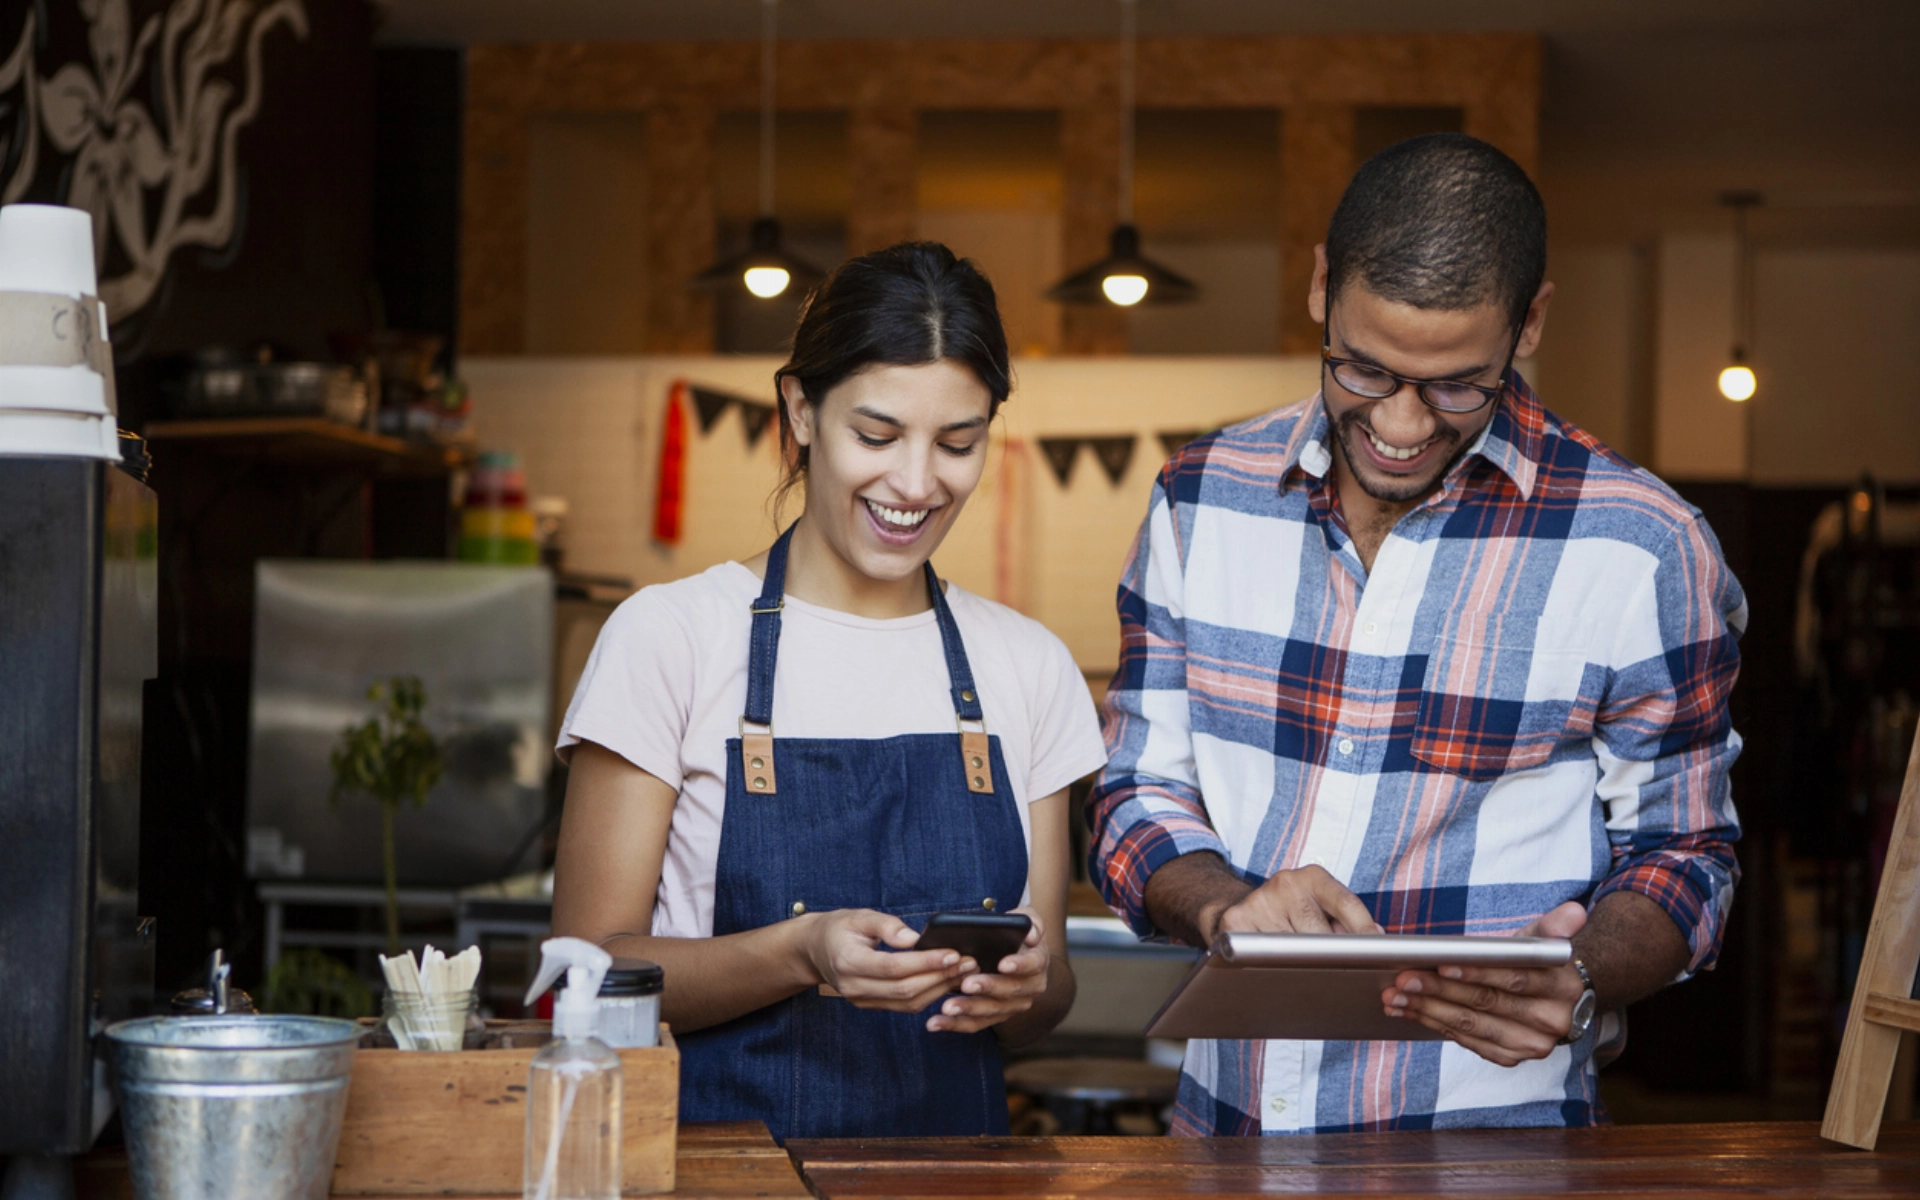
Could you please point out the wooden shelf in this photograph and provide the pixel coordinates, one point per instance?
(311, 442)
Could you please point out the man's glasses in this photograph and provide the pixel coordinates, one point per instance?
(1375, 383)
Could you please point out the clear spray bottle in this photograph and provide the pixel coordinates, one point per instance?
(574, 1086)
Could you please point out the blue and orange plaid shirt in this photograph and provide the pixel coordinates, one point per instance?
(1524, 702)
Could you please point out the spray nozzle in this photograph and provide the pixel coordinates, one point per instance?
(585, 965)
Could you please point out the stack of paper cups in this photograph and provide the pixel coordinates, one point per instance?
(56, 383)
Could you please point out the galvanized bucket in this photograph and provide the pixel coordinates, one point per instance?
(232, 1106)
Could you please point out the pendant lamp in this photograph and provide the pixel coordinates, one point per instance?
(1737, 381)
(1125, 276)
(765, 269)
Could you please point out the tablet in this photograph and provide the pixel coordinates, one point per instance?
(1325, 986)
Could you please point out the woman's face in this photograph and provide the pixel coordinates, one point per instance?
(892, 455)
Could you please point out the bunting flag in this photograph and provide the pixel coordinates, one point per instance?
(670, 496)
(710, 405)
(1171, 440)
(1061, 453)
(754, 418)
(1114, 454)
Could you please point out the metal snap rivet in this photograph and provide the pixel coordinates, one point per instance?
(759, 783)
(967, 696)
(978, 761)
(758, 763)
(799, 909)
(987, 904)
(979, 782)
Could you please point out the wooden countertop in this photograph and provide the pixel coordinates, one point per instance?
(1774, 1159)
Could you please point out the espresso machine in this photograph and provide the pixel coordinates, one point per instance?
(79, 576)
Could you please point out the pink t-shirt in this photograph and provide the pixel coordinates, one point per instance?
(667, 682)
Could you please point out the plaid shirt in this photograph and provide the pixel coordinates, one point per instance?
(1523, 703)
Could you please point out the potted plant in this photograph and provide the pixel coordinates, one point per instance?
(392, 757)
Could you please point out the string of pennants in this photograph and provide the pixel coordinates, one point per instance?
(1114, 452)
(710, 404)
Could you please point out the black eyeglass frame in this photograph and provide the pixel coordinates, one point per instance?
(1488, 394)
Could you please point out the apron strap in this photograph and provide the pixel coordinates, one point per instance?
(756, 744)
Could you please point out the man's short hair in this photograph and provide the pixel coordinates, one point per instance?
(1441, 221)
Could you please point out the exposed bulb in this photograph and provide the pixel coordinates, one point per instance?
(766, 282)
(1125, 290)
(1738, 383)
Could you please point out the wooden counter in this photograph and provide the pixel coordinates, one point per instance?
(1780, 1159)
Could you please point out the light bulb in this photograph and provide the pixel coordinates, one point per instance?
(1737, 383)
(1125, 290)
(766, 282)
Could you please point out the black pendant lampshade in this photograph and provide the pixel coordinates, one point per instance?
(1124, 277)
(759, 267)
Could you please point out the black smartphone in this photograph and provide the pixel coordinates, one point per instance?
(986, 938)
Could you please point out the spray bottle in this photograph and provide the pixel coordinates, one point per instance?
(574, 1086)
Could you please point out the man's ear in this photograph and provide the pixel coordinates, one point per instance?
(799, 412)
(1536, 322)
(1317, 290)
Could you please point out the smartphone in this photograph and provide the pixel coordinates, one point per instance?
(986, 938)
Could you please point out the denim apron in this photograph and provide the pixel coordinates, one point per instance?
(910, 826)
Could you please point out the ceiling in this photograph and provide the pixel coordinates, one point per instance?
(1651, 107)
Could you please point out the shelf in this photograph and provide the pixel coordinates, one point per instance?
(311, 442)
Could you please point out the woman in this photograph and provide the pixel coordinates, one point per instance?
(778, 771)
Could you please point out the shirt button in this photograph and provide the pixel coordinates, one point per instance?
(1346, 745)
(1278, 1104)
(1372, 627)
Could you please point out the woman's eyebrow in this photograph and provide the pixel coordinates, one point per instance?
(874, 414)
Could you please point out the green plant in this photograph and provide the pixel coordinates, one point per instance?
(393, 758)
(311, 981)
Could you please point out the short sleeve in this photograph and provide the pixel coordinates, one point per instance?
(1066, 738)
(635, 696)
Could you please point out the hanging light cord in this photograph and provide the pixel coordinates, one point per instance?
(769, 11)
(1128, 34)
(1743, 319)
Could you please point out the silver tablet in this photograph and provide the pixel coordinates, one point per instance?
(1325, 986)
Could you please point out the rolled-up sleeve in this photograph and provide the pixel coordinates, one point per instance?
(1665, 741)
(1146, 808)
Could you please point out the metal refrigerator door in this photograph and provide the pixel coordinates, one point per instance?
(479, 637)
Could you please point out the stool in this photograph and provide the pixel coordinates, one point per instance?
(1099, 1086)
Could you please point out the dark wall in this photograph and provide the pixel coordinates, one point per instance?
(296, 269)
(420, 98)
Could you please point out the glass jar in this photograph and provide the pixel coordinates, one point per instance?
(437, 1021)
(630, 1004)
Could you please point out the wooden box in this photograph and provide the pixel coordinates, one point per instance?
(422, 1123)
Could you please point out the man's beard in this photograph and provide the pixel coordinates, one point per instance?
(1391, 489)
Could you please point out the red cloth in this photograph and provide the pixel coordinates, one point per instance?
(670, 496)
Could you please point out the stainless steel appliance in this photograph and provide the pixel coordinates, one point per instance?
(479, 637)
(78, 613)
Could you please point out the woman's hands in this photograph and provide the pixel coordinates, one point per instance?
(985, 1000)
(868, 958)
(846, 950)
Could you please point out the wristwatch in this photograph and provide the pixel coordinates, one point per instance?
(1584, 1009)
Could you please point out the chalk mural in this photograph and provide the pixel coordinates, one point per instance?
(155, 182)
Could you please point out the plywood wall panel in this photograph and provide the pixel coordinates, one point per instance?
(681, 239)
(1316, 159)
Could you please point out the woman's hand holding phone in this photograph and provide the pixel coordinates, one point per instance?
(868, 958)
(987, 999)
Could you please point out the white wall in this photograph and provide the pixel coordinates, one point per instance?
(1590, 358)
(1698, 433)
(588, 429)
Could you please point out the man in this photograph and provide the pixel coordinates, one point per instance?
(1416, 655)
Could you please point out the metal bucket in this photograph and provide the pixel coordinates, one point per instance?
(232, 1106)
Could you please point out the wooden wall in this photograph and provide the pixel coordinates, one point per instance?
(1317, 83)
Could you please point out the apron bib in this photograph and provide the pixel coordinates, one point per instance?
(910, 826)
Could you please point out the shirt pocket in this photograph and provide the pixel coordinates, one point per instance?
(1493, 702)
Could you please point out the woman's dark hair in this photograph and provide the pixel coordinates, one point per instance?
(905, 306)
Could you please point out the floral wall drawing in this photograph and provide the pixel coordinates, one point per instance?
(156, 179)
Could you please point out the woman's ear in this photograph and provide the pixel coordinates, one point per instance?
(799, 412)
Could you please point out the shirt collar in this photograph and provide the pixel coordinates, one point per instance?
(1511, 441)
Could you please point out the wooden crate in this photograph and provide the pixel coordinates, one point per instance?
(423, 1124)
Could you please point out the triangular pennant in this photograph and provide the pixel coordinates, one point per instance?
(710, 406)
(1061, 453)
(1114, 454)
(754, 418)
(1171, 440)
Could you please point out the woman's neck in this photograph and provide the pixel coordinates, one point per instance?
(817, 574)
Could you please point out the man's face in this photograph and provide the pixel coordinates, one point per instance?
(1398, 448)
